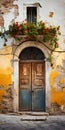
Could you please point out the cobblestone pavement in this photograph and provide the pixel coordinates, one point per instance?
(14, 122)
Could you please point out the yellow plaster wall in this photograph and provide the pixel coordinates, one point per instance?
(2, 92)
(5, 70)
(53, 75)
(57, 75)
(57, 95)
(5, 66)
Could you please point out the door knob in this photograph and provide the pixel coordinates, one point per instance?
(32, 91)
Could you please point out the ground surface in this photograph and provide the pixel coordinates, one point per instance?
(15, 122)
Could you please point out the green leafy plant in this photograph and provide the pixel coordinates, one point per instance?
(50, 35)
(31, 30)
(41, 27)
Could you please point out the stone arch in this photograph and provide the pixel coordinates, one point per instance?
(26, 44)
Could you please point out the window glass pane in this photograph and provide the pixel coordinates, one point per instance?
(32, 14)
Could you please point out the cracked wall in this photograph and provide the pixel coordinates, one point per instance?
(12, 11)
(5, 8)
(57, 83)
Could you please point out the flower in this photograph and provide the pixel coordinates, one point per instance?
(31, 30)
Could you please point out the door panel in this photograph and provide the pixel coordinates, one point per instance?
(38, 100)
(25, 99)
(25, 86)
(32, 86)
(38, 86)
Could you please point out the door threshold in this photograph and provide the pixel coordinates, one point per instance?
(33, 113)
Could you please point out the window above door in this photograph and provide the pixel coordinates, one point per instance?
(31, 12)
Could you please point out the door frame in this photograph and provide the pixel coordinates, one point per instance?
(15, 74)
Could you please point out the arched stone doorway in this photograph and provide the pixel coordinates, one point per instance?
(32, 80)
(15, 75)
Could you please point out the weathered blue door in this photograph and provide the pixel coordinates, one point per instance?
(32, 86)
(38, 86)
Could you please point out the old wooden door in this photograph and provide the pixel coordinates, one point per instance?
(38, 86)
(32, 86)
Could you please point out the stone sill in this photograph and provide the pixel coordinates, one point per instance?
(30, 37)
(23, 38)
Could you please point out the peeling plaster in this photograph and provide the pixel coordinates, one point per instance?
(57, 82)
(9, 11)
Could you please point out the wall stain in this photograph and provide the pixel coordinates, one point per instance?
(2, 92)
(5, 71)
(57, 94)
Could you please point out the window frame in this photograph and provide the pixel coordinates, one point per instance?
(25, 11)
(31, 13)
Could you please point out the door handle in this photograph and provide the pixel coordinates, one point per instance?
(32, 91)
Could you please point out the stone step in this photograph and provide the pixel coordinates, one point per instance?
(35, 113)
(33, 118)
